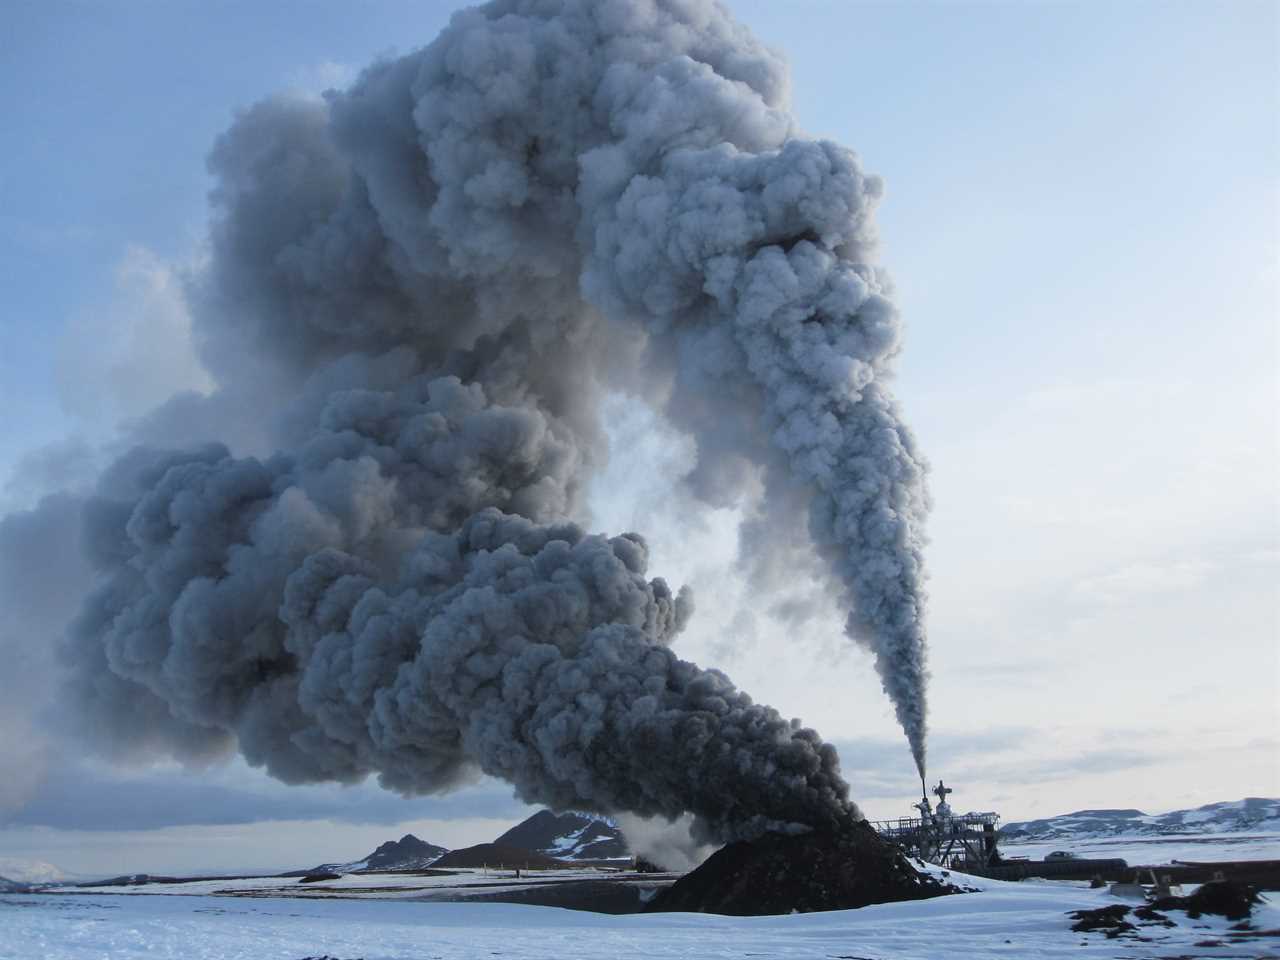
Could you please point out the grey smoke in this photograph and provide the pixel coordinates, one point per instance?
(420, 290)
(40, 568)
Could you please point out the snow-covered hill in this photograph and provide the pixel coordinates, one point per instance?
(11, 886)
(1250, 814)
(407, 853)
(30, 871)
(568, 836)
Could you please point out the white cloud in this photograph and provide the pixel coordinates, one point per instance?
(121, 362)
(314, 79)
(1141, 580)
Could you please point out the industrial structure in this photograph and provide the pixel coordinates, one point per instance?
(965, 842)
(969, 843)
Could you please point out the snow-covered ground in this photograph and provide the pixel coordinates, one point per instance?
(392, 917)
(1152, 851)
(1004, 920)
(367, 885)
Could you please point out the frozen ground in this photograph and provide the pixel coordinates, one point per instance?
(384, 886)
(1003, 920)
(390, 917)
(1152, 851)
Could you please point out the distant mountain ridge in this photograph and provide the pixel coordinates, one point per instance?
(11, 886)
(568, 836)
(1232, 816)
(407, 853)
(542, 838)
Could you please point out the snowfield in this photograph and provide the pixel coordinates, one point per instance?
(373, 885)
(1001, 920)
(1157, 850)
(400, 917)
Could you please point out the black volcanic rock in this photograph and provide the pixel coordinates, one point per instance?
(407, 853)
(821, 870)
(317, 877)
(567, 836)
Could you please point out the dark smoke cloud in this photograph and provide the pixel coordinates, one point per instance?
(419, 293)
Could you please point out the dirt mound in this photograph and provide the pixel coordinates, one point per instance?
(822, 870)
(1222, 898)
(496, 855)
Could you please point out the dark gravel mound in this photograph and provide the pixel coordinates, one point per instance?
(1222, 898)
(496, 855)
(822, 870)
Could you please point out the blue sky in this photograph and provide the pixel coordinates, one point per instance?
(1083, 221)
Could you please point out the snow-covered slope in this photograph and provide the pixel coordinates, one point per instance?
(568, 836)
(11, 886)
(1250, 814)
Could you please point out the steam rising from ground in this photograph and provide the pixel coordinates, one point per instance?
(667, 844)
(419, 292)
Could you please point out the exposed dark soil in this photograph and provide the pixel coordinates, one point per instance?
(822, 870)
(616, 896)
(1110, 920)
(496, 855)
(424, 872)
(1259, 874)
(1222, 898)
(1152, 917)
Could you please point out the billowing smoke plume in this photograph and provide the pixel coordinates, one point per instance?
(419, 291)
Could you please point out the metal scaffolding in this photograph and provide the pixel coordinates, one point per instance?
(965, 841)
